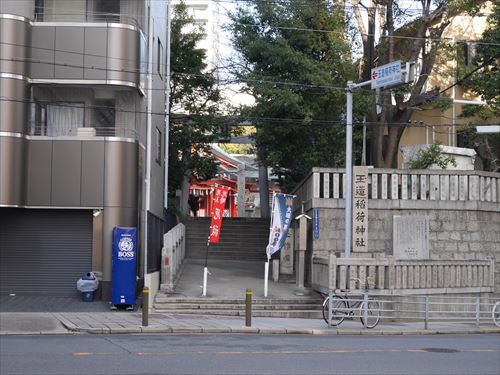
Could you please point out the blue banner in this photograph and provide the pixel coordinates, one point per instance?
(280, 222)
(316, 223)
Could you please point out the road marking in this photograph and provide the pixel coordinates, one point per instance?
(288, 352)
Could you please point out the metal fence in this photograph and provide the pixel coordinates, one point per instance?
(426, 310)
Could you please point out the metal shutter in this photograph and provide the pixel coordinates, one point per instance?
(44, 252)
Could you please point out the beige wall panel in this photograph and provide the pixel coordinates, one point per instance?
(39, 172)
(66, 173)
(69, 52)
(92, 181)
(43, 52)
(13, 116)
(23, 8)
(13, 154)
(14, 46)
(123, 55)
(120, 174)
(95, 52)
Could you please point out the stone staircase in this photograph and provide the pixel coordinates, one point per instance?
(240, 239)
(282, 308)
(237, 263)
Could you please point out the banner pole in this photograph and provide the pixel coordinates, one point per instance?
(205, 271)
(266, 266)
(266, 277)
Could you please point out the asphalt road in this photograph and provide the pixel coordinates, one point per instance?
(250, 354)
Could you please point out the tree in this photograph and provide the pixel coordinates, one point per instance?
(484, 79)
(484, 75)
(416, 38)
(295, 63)
(194, 104)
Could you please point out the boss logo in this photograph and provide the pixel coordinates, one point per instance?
(126, 248)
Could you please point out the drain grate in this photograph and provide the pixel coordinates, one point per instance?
(439, 350)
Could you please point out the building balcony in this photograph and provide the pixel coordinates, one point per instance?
(69, 170)
(84, 53)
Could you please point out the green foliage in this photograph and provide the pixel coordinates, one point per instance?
(296, 77)
(485, 80)
(432, 156)
(194, 93)
(442, 103)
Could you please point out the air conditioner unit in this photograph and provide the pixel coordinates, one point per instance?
(85, 132)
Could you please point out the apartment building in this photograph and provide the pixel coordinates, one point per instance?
(443, 126)
(82, 129)
(207, 14)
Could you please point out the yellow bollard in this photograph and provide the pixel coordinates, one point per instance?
(145, 306)
(248, 308)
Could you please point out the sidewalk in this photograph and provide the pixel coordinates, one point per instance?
(131, 322)
(65, 315)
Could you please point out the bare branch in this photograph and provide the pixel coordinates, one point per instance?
(359, 20)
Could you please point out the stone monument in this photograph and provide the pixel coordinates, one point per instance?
(410, 239)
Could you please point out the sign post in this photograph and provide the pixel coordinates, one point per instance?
(381, 77)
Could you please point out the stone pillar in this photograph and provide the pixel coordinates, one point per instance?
(241, 190)
(300, 275)
(264, 192)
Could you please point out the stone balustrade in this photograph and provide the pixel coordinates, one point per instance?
(172, 256)
(388, 276)
(396, 184)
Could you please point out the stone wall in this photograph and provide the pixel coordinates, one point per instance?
(458, 230)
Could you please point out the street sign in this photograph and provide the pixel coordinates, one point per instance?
(316, 223)
(386, 75)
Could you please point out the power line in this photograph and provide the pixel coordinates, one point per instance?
(238, 120)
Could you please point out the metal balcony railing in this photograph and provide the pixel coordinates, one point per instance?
(84, 17)
(62, 131)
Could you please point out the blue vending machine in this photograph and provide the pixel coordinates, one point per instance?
(124, 266)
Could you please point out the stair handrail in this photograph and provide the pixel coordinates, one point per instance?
(173, 254)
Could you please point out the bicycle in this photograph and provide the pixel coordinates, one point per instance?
(343, 307)
(495, 314)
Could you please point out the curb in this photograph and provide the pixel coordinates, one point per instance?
(72, 330)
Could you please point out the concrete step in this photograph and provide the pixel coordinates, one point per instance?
(304, 314)
(306, 307)
(162, 298)
(188, 306)
(241, 238)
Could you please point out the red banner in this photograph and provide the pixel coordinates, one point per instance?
(221, 193)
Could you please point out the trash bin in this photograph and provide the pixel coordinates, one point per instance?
(87, 284)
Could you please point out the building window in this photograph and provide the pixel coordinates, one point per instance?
(160, 61)
(39, 10)
(158, 146)
(469, 52)
(60, 119)
(103, 117)
(107, 10)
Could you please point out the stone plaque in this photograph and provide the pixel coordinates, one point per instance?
(286, 254)
(410, 239)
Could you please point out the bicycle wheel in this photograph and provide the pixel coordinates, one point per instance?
(339, 310)
(495, 314)
(373, 313)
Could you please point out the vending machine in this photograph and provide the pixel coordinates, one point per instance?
(124, 266)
